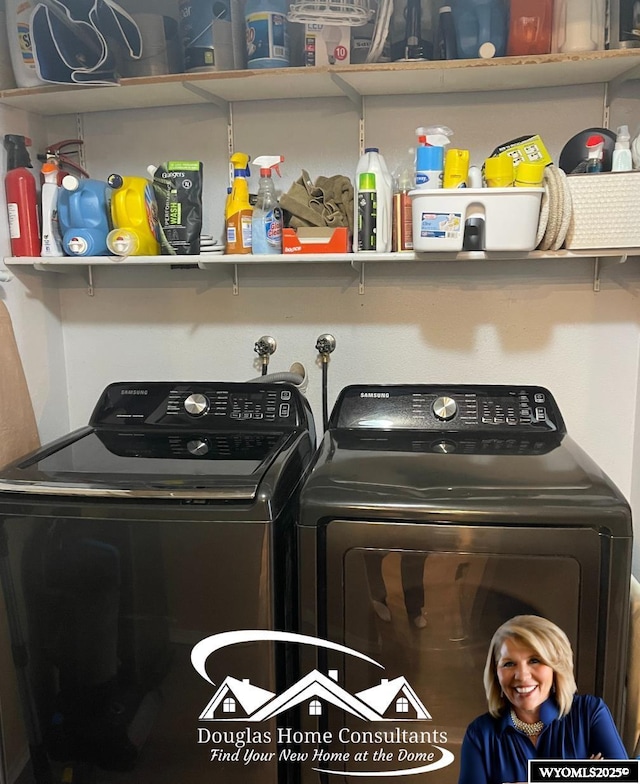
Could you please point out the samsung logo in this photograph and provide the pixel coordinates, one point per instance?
(374, 394)
(134, 391)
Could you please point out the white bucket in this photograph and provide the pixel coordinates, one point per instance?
(511, 217)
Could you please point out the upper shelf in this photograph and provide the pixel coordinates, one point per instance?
(402, 78)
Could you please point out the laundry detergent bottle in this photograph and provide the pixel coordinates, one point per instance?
(530, 26)
(20, 42)
(481, 28)
(83, 216)
(373, 218)
(134, 215)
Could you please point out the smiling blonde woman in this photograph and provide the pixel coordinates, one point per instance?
(534, 711)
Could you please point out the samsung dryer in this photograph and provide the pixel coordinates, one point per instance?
(433, 514)
(164, 525)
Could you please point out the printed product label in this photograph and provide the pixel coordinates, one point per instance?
(14, 221)
(367, 220)
(152, 211)
(267, 37)
(273, 228)
(441, 225)
(246, 231)
(24, 37)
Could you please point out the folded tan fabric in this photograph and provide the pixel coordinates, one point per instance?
(328, 202)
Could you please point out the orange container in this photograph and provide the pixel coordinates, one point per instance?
(530, 26)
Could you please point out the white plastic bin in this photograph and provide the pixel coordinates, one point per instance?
(511, 217)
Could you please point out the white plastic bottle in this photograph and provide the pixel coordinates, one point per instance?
(266, 219)
(373, 162)
(51, 245)
(621, 160)
(20, 48)
(578, 25)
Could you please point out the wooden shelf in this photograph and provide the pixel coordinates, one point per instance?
(406, 78)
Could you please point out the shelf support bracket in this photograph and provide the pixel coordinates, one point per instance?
(235, 287)
(360, 270)
(90, 288)
(357, 100)
(597, 268)
(209, 97)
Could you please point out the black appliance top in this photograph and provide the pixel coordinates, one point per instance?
(434, 452)
(171, 440)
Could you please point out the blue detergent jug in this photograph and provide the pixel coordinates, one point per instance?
(83, 216)
(481, 28)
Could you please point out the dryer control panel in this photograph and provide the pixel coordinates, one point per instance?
(454, 408)
(201, 405)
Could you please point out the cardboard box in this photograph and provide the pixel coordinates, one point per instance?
(327, 44)
(316, 240)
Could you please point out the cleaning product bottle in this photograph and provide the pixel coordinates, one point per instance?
(530, 26)
(51, 245)
(266, 220)
(267, 33)
(20, 49)
(22, 199)
(456, 169)
(402, 223)
(238, 208)
(621, 159)
(373, 163)
(445, 46)
(595, 153)
(84, 216)
(578, 25)
(134, 214)
(481, 28)
(432, 142)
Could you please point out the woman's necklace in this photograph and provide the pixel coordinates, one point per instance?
(528, 729)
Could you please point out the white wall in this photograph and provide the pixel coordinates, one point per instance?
(508, 322)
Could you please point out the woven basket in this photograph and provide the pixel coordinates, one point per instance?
(606, 210)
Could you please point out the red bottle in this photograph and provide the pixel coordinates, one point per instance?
(22, 199)
(530, 25)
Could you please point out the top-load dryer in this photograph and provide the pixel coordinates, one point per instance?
(432, 514)
(131, 543)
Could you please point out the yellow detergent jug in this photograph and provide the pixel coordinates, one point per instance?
(134, 214)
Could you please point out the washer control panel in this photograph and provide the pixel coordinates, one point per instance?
(210, 405)
(456, 408)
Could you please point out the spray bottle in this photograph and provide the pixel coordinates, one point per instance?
(51, 245)
(22, 200)
(430, 155)
(621, 160)
(266, 221)
(238, 211)
(134, 214)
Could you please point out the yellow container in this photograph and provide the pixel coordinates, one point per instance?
(499, 172)
(134, 214)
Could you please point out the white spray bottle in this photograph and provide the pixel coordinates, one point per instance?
(51, 245)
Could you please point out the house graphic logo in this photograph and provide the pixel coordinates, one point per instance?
(389, 700)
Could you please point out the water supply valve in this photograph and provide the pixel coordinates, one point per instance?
(264, 348)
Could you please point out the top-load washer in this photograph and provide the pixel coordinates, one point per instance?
(433, 514)
(166, 522)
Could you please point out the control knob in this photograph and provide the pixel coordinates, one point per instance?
(197, 447)
(445, 408)
(196, 405)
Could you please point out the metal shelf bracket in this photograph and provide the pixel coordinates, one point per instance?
(359, 268)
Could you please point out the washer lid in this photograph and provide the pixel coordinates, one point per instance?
(220, 465)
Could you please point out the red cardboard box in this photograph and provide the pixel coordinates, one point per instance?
(316, 240)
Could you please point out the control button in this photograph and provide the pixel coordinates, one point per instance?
(196, 405)
(284, 410)
(285, 394)
(541, 413)
(443, 447)
(539, 397)
(197, 447)
(511, 420)
(445, 408)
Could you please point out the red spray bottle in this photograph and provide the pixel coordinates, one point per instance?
(22, 199)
